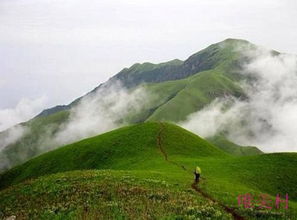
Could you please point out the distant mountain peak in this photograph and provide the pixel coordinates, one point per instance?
(235, 40)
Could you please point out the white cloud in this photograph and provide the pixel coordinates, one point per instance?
(23, 111)
(214, 118)
(268, 117)
(100, 112)
(106, 109)
(11, 136)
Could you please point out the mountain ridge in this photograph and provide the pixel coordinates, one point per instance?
(192, 63)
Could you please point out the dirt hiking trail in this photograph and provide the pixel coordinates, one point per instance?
(194, 185)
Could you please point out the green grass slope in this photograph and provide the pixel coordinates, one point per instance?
(266, 174)
(146, 168)
(106, 194)
(232, 148)
(132, 147)
(200, 90)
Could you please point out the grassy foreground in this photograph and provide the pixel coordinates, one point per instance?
(106, 194)
(145, 171)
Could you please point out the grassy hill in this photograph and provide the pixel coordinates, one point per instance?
(199, 90)
(194, 83)
(138, 167)
(131, 147)
(232, 148)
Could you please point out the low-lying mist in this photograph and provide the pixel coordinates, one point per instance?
(23, 111)
(107, 108)
(268, 117)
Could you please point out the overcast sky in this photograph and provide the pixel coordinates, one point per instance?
(52, 51)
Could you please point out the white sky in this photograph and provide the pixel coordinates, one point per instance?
(61, 49)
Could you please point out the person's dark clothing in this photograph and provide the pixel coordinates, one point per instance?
(197, 176)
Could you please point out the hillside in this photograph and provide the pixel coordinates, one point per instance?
(145, 161)
(32, 142)
(232, 148)
(199, 90)
(131, 147)
(106, 194)
(175, 88)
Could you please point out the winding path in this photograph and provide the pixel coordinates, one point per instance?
(194, 185)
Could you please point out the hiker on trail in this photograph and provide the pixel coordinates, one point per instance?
(197, 174)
